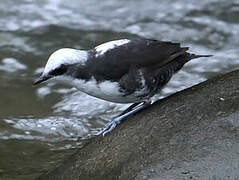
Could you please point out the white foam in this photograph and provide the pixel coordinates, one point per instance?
(65, 127)
(39, 70)
(11, 65)
(43, 91)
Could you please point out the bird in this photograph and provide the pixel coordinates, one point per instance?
(120, 71)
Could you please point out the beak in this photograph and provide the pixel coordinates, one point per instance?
(41, 79)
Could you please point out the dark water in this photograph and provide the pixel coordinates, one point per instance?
(39, 126)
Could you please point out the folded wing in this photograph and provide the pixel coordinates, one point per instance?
(137, 52)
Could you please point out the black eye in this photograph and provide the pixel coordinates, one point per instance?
(59, 71)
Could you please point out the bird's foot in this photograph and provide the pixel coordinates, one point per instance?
(110, 126)
(116, 120)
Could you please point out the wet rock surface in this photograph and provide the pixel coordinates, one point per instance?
(193, 134)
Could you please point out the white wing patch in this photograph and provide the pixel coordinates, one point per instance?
(101, 49)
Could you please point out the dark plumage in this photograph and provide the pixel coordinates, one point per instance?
(123, 71)
(154, 61)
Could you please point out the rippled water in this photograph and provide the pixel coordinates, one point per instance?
(39, 126)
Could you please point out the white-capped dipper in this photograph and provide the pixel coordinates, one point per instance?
(121, 71)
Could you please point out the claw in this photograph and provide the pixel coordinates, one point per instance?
(112, 124)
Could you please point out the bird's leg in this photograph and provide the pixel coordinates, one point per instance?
(134, 108)
(130, 108)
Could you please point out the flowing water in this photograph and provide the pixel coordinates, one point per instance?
(40, 126)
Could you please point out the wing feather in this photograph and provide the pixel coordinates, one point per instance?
(115, 62)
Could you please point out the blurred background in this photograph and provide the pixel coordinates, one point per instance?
(40, 126)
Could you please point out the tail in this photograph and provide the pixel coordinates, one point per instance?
(186, 57)
(194, 56)
(179, 62)
(176, 64)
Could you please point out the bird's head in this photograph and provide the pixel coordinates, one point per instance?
(59, 62)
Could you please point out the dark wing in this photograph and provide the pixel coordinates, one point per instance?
(115, 62)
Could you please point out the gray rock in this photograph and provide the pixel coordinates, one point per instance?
(193, 134)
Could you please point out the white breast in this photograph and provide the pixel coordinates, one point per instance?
(106, 90)
(101, 49)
